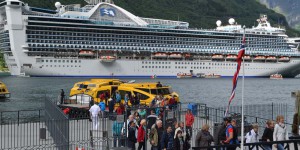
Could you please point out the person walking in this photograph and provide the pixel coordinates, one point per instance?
(94, 113)
(280, 132)
(141, 135)
(252, 135)
(189, 120)
(179, 142)
(62, 96)
(167, 139)
(117, 128)
(268, 134)
(155, 135)
(151, 119)
(230, 139)
(132, 135)
(203, 138)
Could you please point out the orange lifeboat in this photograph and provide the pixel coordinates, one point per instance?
(231, 57)
(184, 75)
(247, 57)
(107, 58)
(217, 57)
(284, 59)
(175, 55)
(260, 58)
(187, 55)
(160, 55)
(86, 53)
(271, 58)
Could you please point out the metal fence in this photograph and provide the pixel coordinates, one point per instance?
(57, 124)
(58, 131)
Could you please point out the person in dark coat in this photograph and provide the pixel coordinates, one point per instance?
(180, 143)
(268, 134)
(62, 96)
(167, 139)
(203, 138)
(111, 105)
(131, 135)
(151, 119)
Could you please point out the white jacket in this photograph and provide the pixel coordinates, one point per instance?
(280, 133)
(252, 137)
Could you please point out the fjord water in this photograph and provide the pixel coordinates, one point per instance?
(29, 93)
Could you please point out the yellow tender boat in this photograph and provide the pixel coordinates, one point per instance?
(83, 91)
(4, 91)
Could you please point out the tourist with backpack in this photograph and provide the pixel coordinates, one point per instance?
(230, 139)
(167, 139)
(155, 135)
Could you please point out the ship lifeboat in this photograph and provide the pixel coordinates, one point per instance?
(231, 57)
(187, 55)
(160, 55)
(260, 58)
(217, 57)
(247, 57)
(86, 53)
(212, 76)
(284, 59)
(176, 56)
(107, 58)
(184, 75)
(276, 76)
(271, 58)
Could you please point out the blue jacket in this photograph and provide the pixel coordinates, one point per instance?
(118, 98)
(102, 106)
(117, 127)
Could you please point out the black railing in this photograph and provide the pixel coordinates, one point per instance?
(57, 124)
(288, 144)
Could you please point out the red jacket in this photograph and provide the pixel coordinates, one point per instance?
(141, 134)
(120, 111)
(189, 119)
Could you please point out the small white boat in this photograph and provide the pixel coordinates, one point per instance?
(276, 76)
(217, 57)
(212, 76)
(260, 58)
(184, 75)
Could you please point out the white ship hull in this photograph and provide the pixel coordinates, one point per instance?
(39, 42)
(137, 68)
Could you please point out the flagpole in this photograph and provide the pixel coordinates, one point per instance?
(242, 125)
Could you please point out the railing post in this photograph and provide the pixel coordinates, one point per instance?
(272, 111)
(18, 117)
(1, 118)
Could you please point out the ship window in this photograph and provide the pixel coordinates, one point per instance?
(46, 60)
(42, 60)
(154, 91)
(59, 61)
(145, 90)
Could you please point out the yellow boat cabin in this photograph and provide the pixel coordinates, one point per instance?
(84, 91)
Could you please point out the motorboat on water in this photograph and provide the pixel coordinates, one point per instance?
(184, 75)
(276, 76)
(4, 93)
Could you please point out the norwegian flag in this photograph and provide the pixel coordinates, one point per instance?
(236, 74)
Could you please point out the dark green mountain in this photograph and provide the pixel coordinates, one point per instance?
(199, 13)
(289, 8)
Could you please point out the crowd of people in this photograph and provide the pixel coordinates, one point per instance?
(145, 124)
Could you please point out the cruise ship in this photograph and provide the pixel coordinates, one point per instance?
(101, 39)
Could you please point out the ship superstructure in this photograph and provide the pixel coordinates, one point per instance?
(104, 40)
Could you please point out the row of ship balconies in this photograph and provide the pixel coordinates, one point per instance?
(155, 49)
